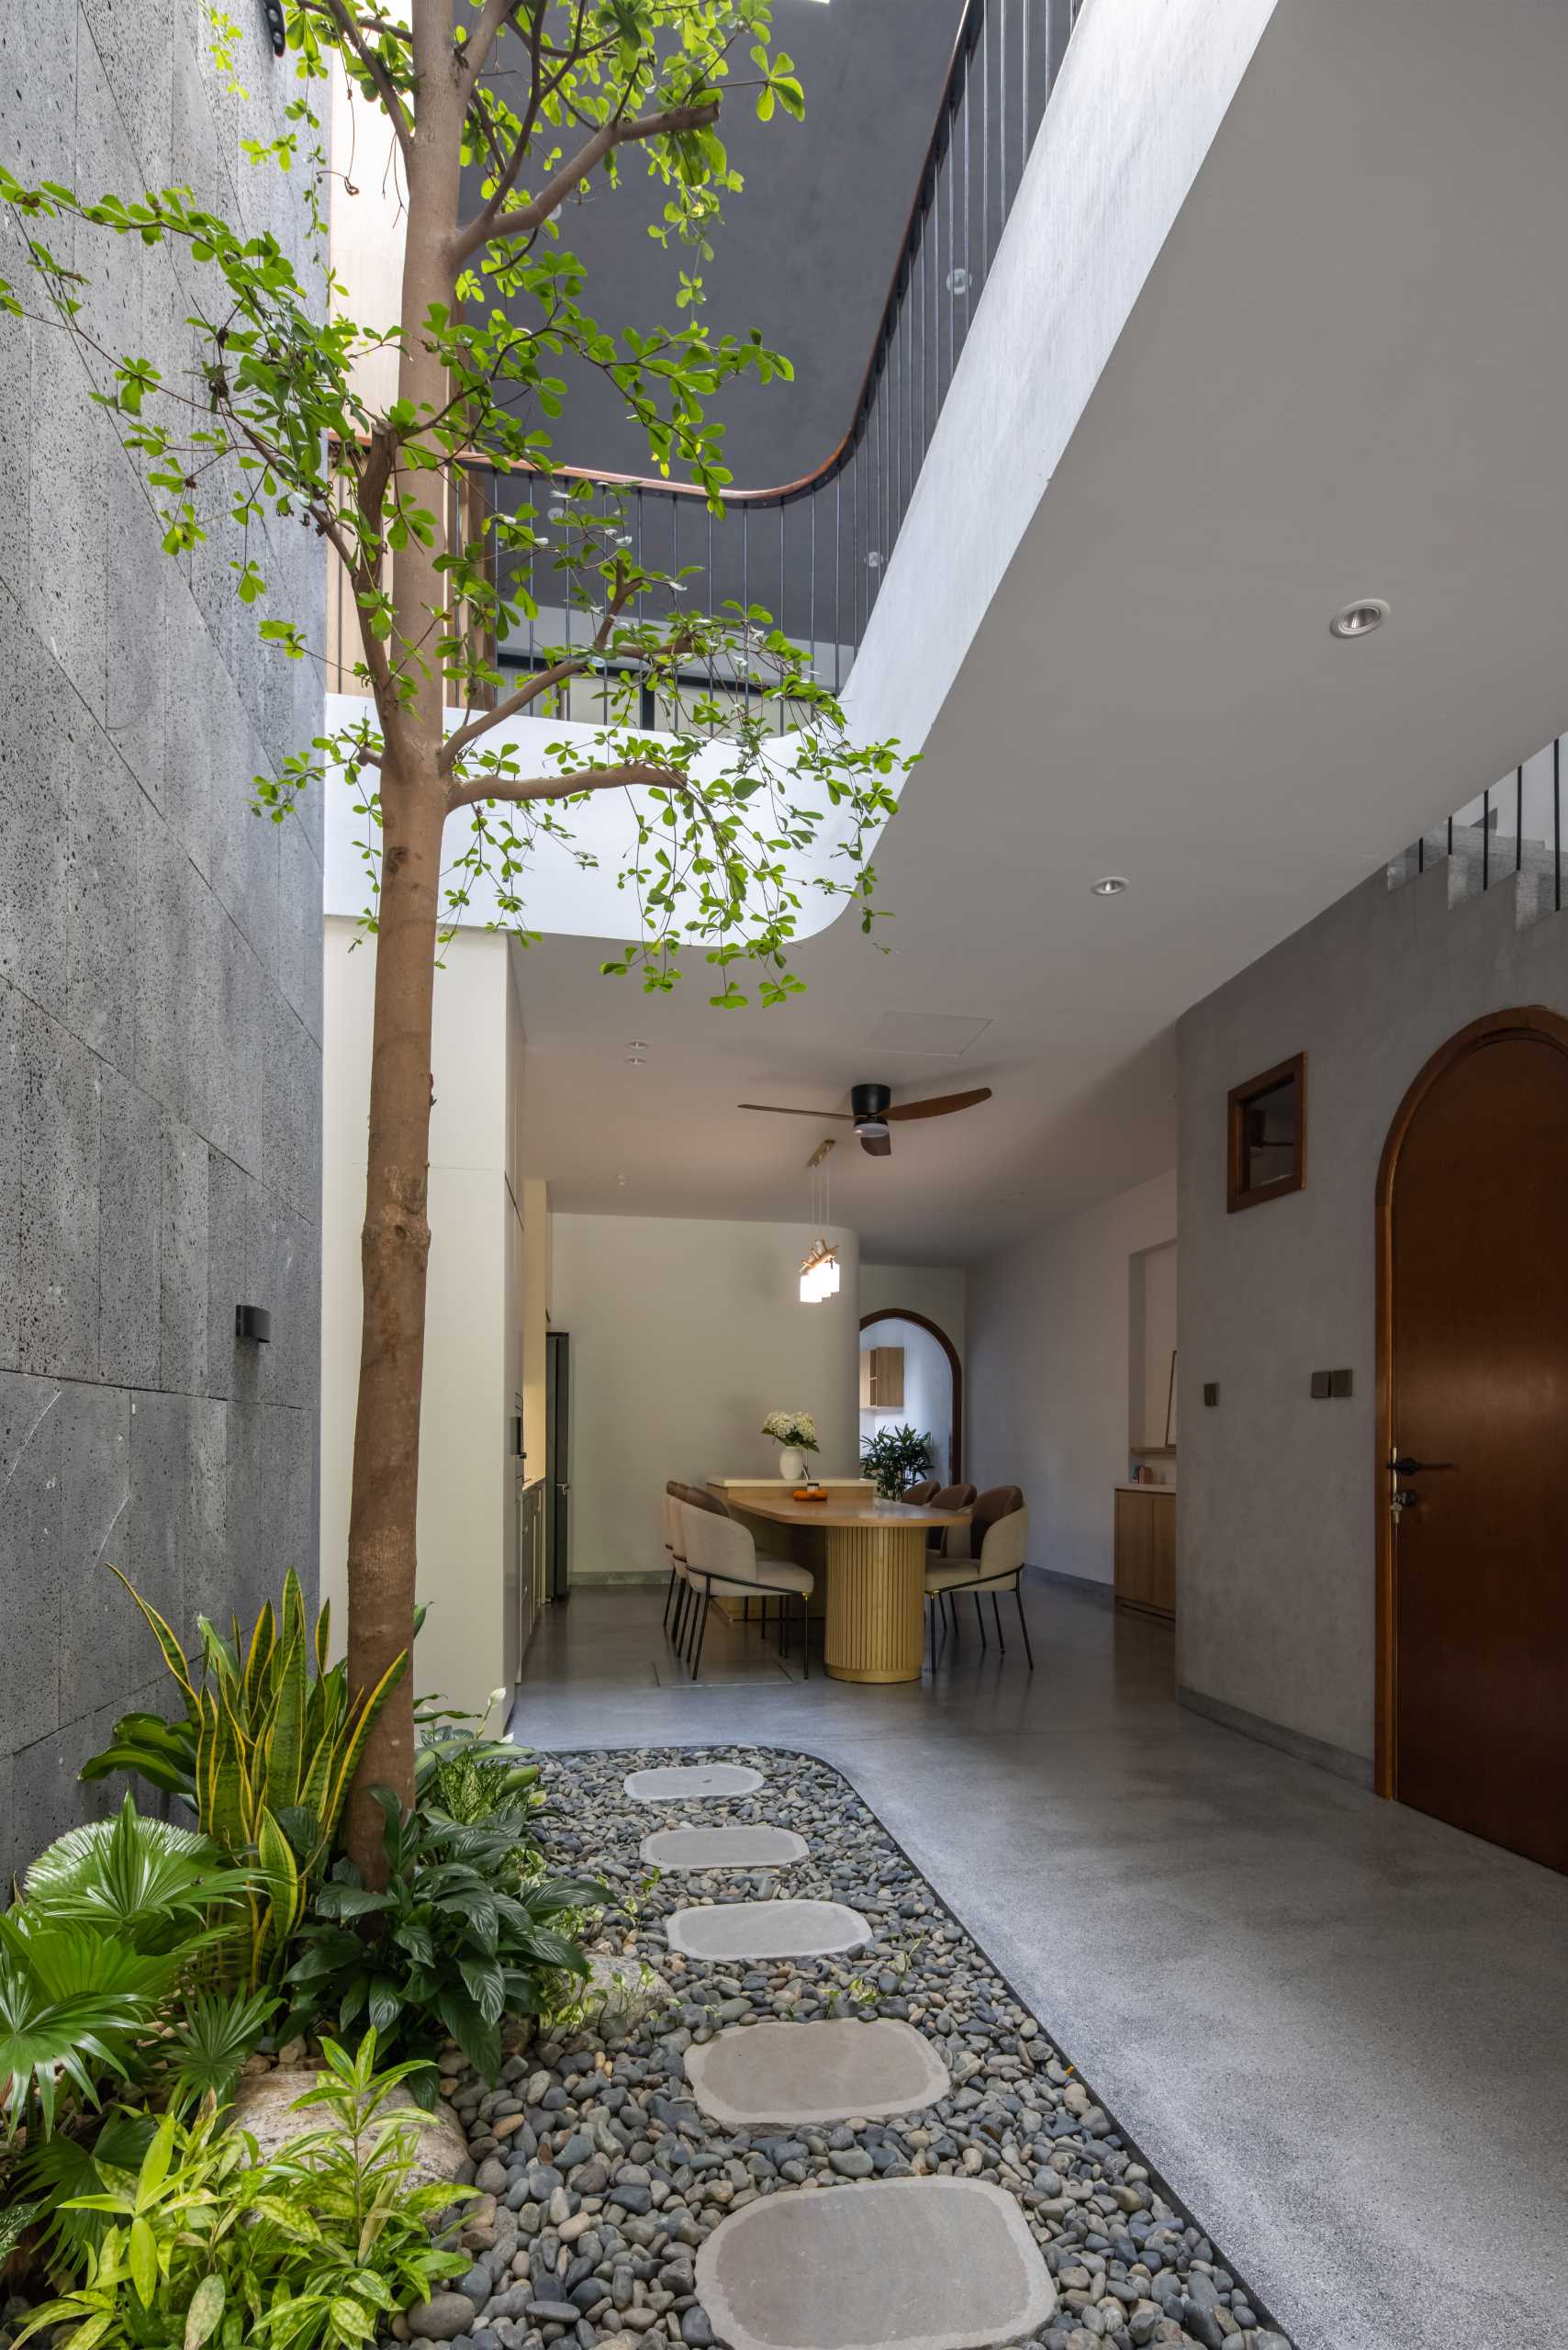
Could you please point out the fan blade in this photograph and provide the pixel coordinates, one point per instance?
(779, 1111)
(940, 1105)
(878, 1146)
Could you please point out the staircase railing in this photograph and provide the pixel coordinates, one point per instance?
(1515, 827)
(813, 551)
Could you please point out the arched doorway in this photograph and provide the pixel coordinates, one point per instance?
(1472, 1413)
(955, 1455)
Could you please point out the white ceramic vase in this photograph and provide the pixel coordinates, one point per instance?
(792, 1464)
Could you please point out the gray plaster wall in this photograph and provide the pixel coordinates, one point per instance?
(160, 951)
(1275, 1622)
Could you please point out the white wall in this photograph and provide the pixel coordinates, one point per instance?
(1049, 1370)
(685, 1334)
(1152, 1342)
(927, 1406)
(939, 1292)
(474, 1310)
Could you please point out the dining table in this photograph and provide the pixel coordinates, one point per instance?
(873, 1557)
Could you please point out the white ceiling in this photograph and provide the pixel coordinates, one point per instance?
(1344, 376)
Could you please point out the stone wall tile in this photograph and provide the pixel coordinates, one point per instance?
(102, 937)
(159, 1526)
(182, 1260)
(29, 1556)
(39, 729)
(15, 1013)
(140, 576)
(93, 1629)
(57, 1252)
(299, 924)
(130, 1221)
(68, 495)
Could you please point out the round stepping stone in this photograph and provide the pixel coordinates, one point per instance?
(723, 1848)
(675, 1782)
(766, 1930)
(900, 2264)
(800, 2072)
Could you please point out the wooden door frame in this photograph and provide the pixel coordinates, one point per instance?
(922, 1322)
(1535, 1023)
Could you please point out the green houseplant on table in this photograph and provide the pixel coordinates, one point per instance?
(895, 1459)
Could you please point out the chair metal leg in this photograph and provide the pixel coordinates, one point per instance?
(701, 1632)
(669, 1595)
(996, 1617)
(1024, 1622)
(952, 1616)
(805, 1634)
(979, 1619)
(682, 1610)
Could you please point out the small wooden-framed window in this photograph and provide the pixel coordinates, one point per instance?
(1266, 1145)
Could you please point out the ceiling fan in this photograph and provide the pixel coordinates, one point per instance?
(873, 1109)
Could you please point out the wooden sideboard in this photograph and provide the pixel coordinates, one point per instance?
(1146, 1549)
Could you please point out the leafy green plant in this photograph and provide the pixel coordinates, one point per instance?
(313, 2249)
(453, 1943)
(267, 1755)
(58, 2170)
(475, 1780)
(896, 1458)
(209, 2043)
(158, 1888)
(73, 2004)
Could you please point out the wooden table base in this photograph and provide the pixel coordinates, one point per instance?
(876, 1602)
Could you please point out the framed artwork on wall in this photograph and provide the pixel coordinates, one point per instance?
(1266, 1141)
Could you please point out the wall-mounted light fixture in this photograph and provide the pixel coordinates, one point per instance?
(276, 31)
(253, 1322)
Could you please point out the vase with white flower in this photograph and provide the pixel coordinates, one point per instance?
(795, 1432)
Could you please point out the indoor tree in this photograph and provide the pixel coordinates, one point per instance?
(501, 112)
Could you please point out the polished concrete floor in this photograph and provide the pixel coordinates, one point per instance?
(1339, 2028)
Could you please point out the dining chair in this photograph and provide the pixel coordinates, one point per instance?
(721, 1553)
(922, 1493)
(999, 1534)
(679, 1496)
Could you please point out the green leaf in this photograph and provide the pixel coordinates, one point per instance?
(205, 2310)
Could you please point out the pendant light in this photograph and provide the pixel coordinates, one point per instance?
(820, 1275)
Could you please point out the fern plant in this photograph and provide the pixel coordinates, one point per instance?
(267, 1755)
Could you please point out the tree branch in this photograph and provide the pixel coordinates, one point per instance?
(385, 91)
(565, 787)
(486, 720)
(524, 219)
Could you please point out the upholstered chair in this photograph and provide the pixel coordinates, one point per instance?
(721, 1555)
(953, 1542)
(922, 1493)
(999, 1535)
(680, 1586)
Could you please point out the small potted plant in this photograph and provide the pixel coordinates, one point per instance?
(895, 1459)
(796, 1435)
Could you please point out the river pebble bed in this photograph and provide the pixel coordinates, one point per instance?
(599, 2178)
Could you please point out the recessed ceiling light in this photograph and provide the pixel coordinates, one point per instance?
(1111, 885)
(1361, 618)
(637, 1052)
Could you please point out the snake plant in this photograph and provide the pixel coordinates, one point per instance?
(266, 1755)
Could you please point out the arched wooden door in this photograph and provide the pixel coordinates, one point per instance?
(1474, 1411)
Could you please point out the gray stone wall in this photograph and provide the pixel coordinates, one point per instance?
(160, 949)
(1275, 1620)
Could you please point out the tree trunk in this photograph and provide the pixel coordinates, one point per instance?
(396, 1246)
(395, 1251)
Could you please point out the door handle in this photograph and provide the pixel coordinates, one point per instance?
(1405, 1467)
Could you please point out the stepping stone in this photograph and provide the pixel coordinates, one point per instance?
(723, 1848)
(680, 1780)
(766, 1930)
(801, 2073)
(900, 2264)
